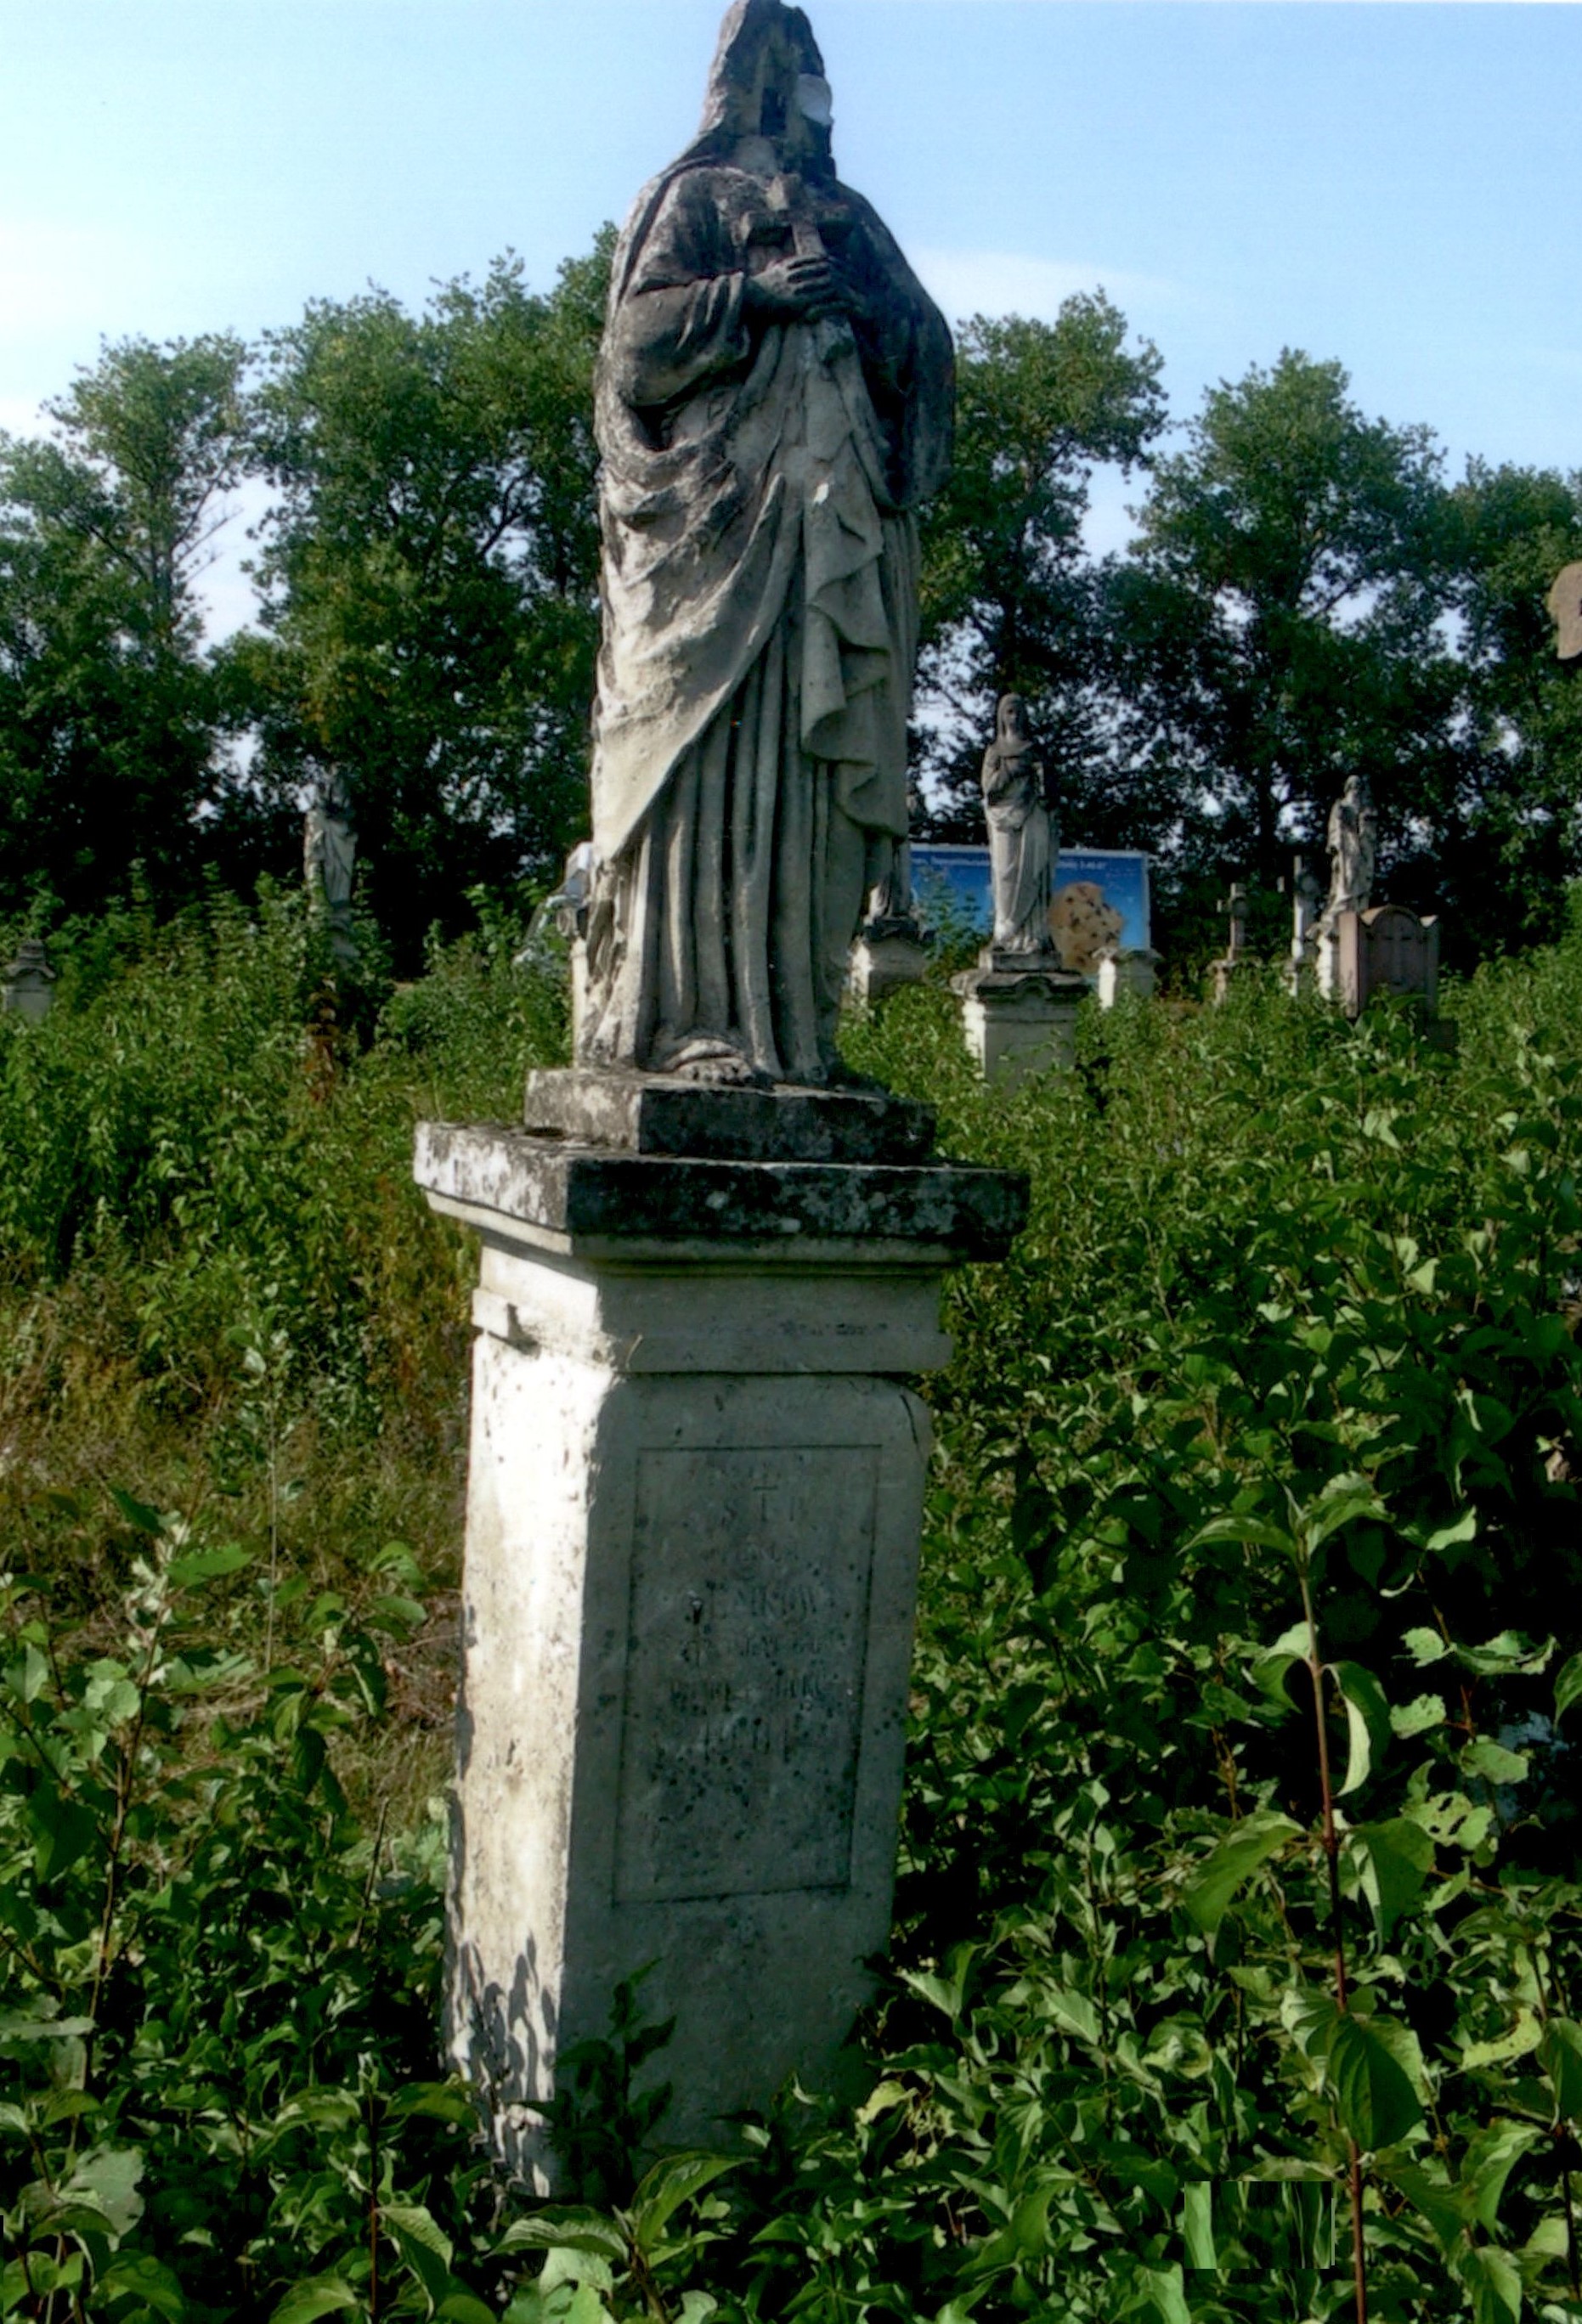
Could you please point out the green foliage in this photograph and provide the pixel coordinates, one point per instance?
(429, 576)
(1010, 602)
(1268, 1429)
(1279, 621)
(110, 718)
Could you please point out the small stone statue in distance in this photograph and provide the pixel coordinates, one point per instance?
(773, 402)
(1022, 837)
(1354, 848)
(330, 845)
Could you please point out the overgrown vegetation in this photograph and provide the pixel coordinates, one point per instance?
(1239, 1899)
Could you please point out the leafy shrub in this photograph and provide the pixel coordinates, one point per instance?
(1267, 1433)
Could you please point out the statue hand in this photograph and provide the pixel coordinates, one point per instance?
(792, 290)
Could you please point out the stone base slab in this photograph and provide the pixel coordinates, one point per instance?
(569, 1197)
(666, 1113)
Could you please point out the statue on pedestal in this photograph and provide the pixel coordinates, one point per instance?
(773, 403)
(1354, 848)
(1022, 838)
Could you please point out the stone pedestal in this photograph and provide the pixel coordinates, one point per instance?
(693, 1511)
(1386, 950)
(27, 985)
(1019, 1013)
(887, 954)
(1126, 971)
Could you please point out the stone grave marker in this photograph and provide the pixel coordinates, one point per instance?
(711, 1264)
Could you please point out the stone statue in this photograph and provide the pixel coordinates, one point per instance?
(1354, 848)
(774, 401)
(1565, 605)
(1022, 839)
(329, 843)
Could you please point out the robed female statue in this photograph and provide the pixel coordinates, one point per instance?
(773, 402)
(1022, 838)
(1354, 848)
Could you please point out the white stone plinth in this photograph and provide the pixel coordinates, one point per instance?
(1126, 971)
(884, 964)
(694, 1503)
(1019, 1022)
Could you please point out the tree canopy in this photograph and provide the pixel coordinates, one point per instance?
(1306, 596)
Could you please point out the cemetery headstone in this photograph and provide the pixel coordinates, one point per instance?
(1018, 1005)
(1306, 900)
(711, 1264)
(27, 989)
(1236, 957)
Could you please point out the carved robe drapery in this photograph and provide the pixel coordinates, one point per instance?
(760, 595)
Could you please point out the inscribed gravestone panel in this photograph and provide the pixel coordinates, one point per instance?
(746, 1644)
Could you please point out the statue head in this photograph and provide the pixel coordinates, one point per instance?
(766, 86)
(1565, 606)
(1011, 719)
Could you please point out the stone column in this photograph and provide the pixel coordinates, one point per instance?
(693, 1511)
(1019, 1013)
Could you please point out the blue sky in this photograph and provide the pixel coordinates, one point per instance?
(1393, 185)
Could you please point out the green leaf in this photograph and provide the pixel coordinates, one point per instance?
(1491, 1760)
(317, 2297)
(1524, 2037)
(1425, 1645)
(1397, 1859)
(143, 2281)
(1232, 1862)
(1198, 2223)
(1367, 1719)
(109, 2176)
(567, 2229)
(1343, 1501)
(1374, 2065)
(1568, 1687)
(437, 2101)
(1492, 2154)
(1430, 2194)
(137, 1514)
(675, 2180)
(64, 1832)
(208, 1565)
(1494, 2282)
(1275, 1663)
(1561, 2056)
(1417, 1717)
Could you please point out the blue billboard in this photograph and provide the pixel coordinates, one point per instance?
(1100, 897)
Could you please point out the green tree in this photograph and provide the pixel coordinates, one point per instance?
(1011, 603)
(430, 572)
(1508, 840)
(111, 741)
(1280, 625)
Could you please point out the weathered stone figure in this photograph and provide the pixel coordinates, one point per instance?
(1354, 848)
(329, 843)
(1022, 838)
(773, 402)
